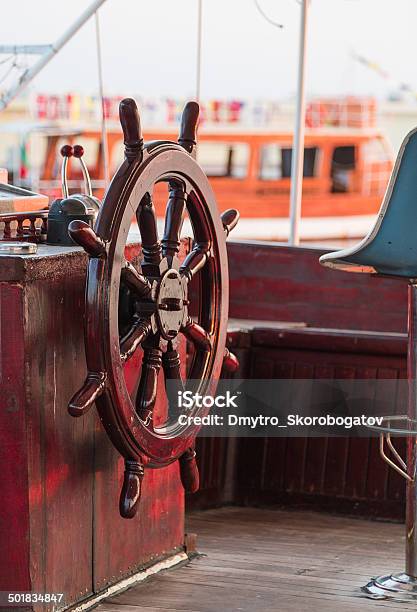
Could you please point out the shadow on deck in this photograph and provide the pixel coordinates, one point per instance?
(273, 560)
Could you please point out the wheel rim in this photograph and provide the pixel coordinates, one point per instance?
(126, 308)
(165, 163)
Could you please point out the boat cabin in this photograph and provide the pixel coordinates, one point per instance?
(346, 171)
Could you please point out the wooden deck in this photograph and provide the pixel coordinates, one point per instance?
(260, 560)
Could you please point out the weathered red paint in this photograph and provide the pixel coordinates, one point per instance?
(60, 530)
(14, 509)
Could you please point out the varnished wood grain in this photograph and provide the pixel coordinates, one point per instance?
(291, 285)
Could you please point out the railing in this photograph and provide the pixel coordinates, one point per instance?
(346, 112)
(24, 226)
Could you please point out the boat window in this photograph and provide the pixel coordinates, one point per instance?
(223, 159)
(276, 162)
(343, 162)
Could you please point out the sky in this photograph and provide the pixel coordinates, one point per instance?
(149, 47)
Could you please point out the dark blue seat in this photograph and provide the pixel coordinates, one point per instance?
(390, 248)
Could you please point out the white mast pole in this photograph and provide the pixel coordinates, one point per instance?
(199, 49)
(30, 74)
(104, 141)
(298, 145)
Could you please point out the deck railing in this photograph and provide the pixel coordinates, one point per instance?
(24, 226)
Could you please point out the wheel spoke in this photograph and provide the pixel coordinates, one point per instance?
(151, 247)
(171, 364)
(195, 261)
(139, 331)
(194, 332)
(148, 385)
(174, 219)
(198, 220)
(135, 281)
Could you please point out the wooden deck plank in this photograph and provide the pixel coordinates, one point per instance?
(110, 608)
(272, 560)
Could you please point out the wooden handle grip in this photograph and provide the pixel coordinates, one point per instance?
(230, 361)
(132, 132)
(82, 401)
(188, 128)
(85, 236)
(131, 488)
(190, 477)
(229, 219)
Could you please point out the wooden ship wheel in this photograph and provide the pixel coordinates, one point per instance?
(146, 308)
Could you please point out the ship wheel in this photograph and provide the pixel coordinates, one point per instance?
(146, 308)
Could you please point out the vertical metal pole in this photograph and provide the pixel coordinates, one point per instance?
(411, 504)
(298, 145)
(199, 45)
(104, 142)
(31, 72)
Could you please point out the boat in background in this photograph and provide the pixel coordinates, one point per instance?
(347, 164)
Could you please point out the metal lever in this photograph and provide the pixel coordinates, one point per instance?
(402, 468)
(77, 151)
(385, 430)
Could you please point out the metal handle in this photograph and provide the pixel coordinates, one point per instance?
(77, 151)
(402, 468)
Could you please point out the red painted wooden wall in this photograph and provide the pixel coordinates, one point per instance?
(347, 317)
(281, 283)
(60, 530)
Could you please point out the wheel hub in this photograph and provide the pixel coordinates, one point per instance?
(171, 303)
